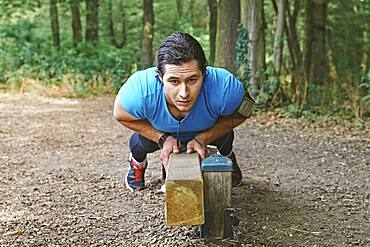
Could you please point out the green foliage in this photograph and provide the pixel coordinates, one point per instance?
(167, 21)
(26, 48)
(347, 26)
(26, 55)
(242, 56)
(269, 89)
(270, 86)
(261, 100)
(81, 90)
(293, 112)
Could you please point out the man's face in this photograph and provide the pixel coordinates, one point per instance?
(182, 84)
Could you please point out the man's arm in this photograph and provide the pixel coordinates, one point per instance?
(144, 128)
(221, 127)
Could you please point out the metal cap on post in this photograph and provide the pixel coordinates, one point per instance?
(217, 163)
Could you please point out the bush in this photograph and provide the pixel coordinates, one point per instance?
(95, 66)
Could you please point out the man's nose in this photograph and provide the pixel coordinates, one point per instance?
(184, 91)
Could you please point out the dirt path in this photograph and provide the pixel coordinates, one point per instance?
(62, 163)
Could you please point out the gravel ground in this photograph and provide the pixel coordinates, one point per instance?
(62, 163)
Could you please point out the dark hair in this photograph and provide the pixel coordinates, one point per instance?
(179, 48)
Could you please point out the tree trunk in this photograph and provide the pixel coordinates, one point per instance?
(365, 54)
(256, 45)
(54, 23)
(295, 52)
(92, 20)
(308, 38)
(278, 39)
(315, 58)
(76, 22)
(180, 8)
(228, 18)
(191, 12)
(147, 45)
(244, 13)
(319, 59)
(111, 32)
(212, 4)
(123, 27)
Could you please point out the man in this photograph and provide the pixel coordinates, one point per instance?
(180, 103)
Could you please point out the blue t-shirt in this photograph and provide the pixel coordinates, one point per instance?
(143, 97)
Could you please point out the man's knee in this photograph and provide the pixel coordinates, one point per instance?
(139, 142)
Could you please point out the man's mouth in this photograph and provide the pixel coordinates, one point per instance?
(184, 102)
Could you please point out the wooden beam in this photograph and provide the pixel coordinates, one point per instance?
(217, 196)
(217, 191)
(184, 191)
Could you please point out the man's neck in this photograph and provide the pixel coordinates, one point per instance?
(178, 115)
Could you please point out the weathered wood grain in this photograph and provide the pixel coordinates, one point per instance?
(184, 191)
(217, 197)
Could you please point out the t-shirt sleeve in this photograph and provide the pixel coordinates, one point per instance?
(131, 98)
(232, 96)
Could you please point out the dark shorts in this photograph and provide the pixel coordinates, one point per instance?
(140, 146)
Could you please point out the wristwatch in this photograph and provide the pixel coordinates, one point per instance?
(162, 139)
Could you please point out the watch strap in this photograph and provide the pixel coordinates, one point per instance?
(162, 139)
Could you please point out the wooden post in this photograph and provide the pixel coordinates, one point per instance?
(184, 191)
(217, 195)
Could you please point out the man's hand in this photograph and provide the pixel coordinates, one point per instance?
(169, 146)
(196, 145)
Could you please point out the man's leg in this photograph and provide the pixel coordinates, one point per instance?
(139, 147)
(224, 146)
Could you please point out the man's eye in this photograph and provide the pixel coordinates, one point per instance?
(192, 81)
(174, 82)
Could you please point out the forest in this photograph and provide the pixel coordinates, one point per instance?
(308, 58)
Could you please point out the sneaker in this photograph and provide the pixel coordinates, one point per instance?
(135, 175)
(236, 175)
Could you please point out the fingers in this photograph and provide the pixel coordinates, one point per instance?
(202, 153)
(194, 146)
(165, 154)
(168, 148)
(175, 149)
(189, 149)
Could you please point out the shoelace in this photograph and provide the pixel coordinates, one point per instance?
(138, 171)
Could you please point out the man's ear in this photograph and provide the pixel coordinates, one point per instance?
(159, 77)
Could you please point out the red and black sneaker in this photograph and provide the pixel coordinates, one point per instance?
(236, 175)
(135, 175)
